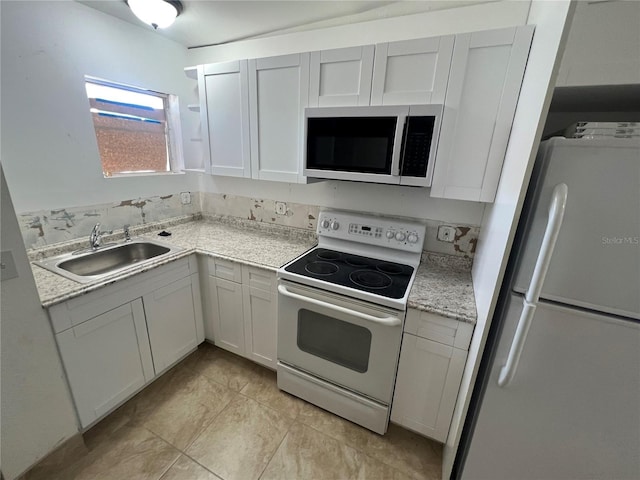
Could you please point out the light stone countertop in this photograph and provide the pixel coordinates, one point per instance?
(442, 284)
(266, 247)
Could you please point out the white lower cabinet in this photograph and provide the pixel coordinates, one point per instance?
(115, 340)
(241, 310)
(171, 322)
(260, 325)
(228, 321)
(432, 359)
(103, 359)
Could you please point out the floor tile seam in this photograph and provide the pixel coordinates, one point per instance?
(169, 467)
(359, 449)
(203, 466)
(293, 419)
(220, 383)
(266, 465)
(204, 426)
(169, 444)
(184, 452)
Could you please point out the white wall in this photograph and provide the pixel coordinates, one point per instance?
(501, 218)
(37, 413)
(49, 149)
(384, 199)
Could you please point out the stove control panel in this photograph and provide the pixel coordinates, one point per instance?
(380, 231)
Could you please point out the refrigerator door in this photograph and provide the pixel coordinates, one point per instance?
(596, 263)
(572, 410)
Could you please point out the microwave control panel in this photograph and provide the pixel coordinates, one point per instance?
(380, 231)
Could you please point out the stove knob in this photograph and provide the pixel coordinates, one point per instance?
(324, 223)
(412, 238)
(335, 225)
(390, 234)
(400, 236)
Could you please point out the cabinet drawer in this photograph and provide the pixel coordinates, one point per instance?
(258, 278)
(77, 310)
(439, 329)
(226, 269)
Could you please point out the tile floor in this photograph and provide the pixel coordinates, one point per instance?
(218, 416)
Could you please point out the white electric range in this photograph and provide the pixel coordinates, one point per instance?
(341, 308)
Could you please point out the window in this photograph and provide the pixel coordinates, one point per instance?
(135, 128)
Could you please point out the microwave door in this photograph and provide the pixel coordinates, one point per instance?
(359, 145)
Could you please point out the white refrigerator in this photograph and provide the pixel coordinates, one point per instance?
(558, 394)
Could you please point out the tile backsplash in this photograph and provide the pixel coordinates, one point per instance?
(53, 226)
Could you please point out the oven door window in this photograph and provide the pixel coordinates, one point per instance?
(334, 340)
(351, 144)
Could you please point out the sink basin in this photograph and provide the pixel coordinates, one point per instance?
(90, 265)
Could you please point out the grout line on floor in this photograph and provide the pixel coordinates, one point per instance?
(172, 464)
(276, 450)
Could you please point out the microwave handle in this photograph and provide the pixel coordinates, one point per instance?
(397, 145)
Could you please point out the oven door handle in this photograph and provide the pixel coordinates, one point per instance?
(387, 321)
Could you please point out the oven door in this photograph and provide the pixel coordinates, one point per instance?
(347, 342)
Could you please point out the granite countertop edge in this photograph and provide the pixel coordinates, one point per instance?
(443, 283)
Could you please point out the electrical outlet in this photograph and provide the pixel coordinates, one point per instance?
(446, 233)
(281, 208)
(185, 198)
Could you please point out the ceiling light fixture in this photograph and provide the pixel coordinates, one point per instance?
(157, 13)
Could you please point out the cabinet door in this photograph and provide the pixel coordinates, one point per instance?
(427, 385)
(341, 77)
(107, 359)
(171, 322)
(411, 71)
(486, 74)
(260, 325)
(228, 321)
(278, 94)
(224, 115)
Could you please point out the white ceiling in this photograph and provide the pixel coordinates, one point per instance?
(210, 22)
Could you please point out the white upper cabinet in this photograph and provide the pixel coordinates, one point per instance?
(341, 77)
(412, 71)
(278, 94)
(486, 73)
(224, 114)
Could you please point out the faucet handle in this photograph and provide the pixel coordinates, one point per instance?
(127, 235)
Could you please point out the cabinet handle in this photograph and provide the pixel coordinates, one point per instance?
(556, 215)
(386, 321)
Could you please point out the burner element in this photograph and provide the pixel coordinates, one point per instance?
(390, 268)
(321, 268)
(370, 279)
(356, 261)
(328, 255)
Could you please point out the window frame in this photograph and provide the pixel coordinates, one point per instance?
(173, 127)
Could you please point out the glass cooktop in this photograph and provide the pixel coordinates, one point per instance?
(367, 274)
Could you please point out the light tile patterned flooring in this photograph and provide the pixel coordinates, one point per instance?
(218, 416)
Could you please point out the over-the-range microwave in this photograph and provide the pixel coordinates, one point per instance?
(386, 144)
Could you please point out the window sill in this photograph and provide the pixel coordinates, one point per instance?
(144, 174)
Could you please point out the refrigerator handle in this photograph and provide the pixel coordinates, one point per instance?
(556, 215)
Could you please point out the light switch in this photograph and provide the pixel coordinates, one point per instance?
(185, 198)
(7, 265)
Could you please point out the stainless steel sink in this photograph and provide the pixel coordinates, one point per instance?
(89, 265)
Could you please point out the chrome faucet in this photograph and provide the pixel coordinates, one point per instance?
(95, 239)
(127, 235)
